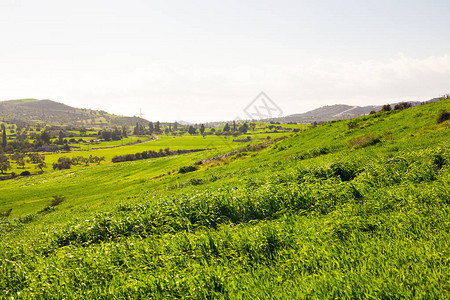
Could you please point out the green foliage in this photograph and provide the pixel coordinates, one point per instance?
(187, 169)
(4, 163)
(443, 116)
(386, 107)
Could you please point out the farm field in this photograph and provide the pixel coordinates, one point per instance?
(129, 145)
(348, 209)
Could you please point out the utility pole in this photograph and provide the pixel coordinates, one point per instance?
(141, 115)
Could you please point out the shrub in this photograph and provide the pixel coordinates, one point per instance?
(344, 171)
(439, 161)
(443, 116)
(26, 219)
(196, 181)
(386, 107)
(187, 169)
(25, 173)
(402, 105)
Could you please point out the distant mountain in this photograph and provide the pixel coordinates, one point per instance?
(337, 112)
(48, 112)
(329, 113)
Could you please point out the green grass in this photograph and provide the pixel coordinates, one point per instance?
(310, 217)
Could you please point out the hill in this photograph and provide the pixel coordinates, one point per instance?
(48, 112)
(345, 210)
(338, 112)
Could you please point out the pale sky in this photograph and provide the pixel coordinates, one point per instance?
(207, 60)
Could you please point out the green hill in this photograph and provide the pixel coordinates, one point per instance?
(351, 209)
(47, 112)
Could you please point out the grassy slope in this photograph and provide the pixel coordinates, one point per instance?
(309, 217)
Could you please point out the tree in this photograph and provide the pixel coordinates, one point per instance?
(63, 163)
(157, 127)
(35, 157)
(244, 128)
(45, 137)
(41, 165)
(386, 107)
(61, 137)
(191, 130)
(150, 128)
(19, 158)
(202, 129)
(234, 125)
(175, 126)
(226, 127)
(402, 105)
(97, 159)
(106, 135)
(4, 163)
(124, 131)
(4, 136)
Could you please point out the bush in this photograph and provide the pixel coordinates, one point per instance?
(187, 169)
(344, 171)
(443, 116)
(402, 105)
(386, 107)
(25, 173)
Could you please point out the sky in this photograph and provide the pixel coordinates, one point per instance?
(202, 61)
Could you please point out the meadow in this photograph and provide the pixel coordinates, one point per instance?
(348, 209)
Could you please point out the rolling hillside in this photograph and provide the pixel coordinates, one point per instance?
(49, 112)
(351, 209)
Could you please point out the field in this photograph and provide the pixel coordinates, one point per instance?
(348, 209)
(133, 144)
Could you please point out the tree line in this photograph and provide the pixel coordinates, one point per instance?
(67, 162)
(151, 154)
